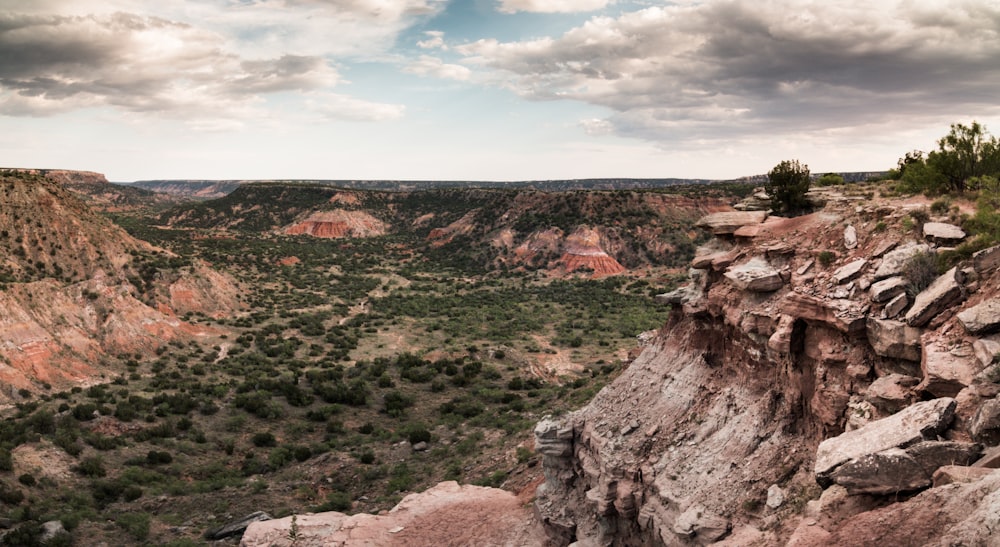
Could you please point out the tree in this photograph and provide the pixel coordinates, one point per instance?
(830, 179)
(966, 151)
(787, 185)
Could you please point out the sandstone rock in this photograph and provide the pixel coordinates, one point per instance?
(902, 470)
(895, 306)
(990, 459)
(775, 496)
(943, 232)
(338, 223)
(701, 525)
(986, 260)
(892, 393)
(894, 261)
(983, 318)
(985, 425)
(850, 238)
(915, 423)
(887, 472)
(727, 222)
(236, 527)
(756, 275)
(948, 474)
(943, 293)
(947, 369)
(849, 271)
(884, 247)
(52, 530)
(894, 339)
(887, 289)
(843, 315)
(446, 514)
(986, 350)
(704, 262)
(780, 341)
(553, 439)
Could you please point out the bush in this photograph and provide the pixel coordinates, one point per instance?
(920, 271)
(27, 479)
(264, 439)
(336, 501)
(826, 258)
(92, 466)
(136, 524)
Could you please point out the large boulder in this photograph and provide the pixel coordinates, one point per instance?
(895, 261)
(887, 289)
(942, 232)
(898, 470)
(943, 293)
(894, 339)
(849, 271)
(756, 275)
(892, 393)
(983, 318)
(701, 525)
(840, 313)
(919, 422)
(236, 527)
(948, 368)
(727, 222)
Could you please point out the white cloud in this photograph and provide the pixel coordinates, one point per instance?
(552, 6)
(343, 107)
(426, 65)
(435, 40)
(716, 70)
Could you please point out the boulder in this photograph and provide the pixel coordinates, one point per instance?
(727, 222)
(701, 525)
(775, 496)
(553, 439)
(947, 368)
(850, 238)
(902, 470)
(887, 289)
(894, 261)
(942, 232)
(894, 339)
(918, 422)
(704, 262)
(985, 424)
(849, 271)
(235, 527)
(986, 260)
(892, 393)
(949, 474)
(943, 293)
(895, 306)
(983, 318)
(986, 350)
(756, 275)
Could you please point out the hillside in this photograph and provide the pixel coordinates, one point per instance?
(77, 289)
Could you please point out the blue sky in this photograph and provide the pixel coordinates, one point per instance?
(487, 89)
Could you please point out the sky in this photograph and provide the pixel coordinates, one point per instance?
(487, 89)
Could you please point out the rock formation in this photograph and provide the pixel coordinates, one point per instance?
(338, 223)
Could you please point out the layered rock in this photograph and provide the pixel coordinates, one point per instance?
(338, 223)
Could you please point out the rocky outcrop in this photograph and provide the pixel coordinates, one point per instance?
(894, 339)
(755, 275)
(887, 289)
(338, 223)
(727, 222)
(897, 470)
(942, 232)
(893, 262)
(447, 514)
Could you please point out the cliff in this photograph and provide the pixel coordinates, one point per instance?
(797, 396)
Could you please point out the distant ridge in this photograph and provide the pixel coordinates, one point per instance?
(208, 189)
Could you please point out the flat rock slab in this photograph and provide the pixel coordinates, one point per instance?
(727, 222)
(849, 271)
(894, 261)
(985, 424)
(887, 289)
(943, 293)
(850, 238)
(842, 314)
(894, 339)
(756, 275)
(949, 474)
(943, 232)
(913, 424)
(983, 318)
(892, 393)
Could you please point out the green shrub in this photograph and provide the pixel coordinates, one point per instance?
(336, 501)
(136, 524)
(826, 258)
(264, 439)
(920, 271)
(92, 466)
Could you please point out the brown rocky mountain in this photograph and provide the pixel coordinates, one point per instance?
(804, 392)
(76, 290)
